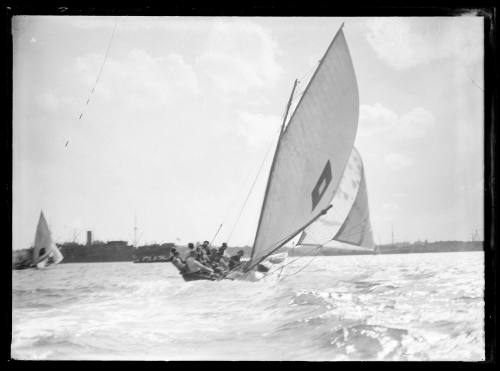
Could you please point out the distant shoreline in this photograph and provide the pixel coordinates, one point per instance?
(120, 251)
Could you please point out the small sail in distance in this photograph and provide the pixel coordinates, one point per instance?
(45, 251)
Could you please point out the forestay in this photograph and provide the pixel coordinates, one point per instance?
(348, 222)
(312, 152)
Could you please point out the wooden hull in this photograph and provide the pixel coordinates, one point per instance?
(197, 277)
(156, 261)
(20, 267)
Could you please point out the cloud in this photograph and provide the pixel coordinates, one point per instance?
(386, 213)
(378, 120)
(127, 23)
(400, 194)
(390, 207)
(416, 123)
(374, 119)
(139, 79)
(47, 101)
(239, 56)
(397, 161)
(409, 42)
(258, 129)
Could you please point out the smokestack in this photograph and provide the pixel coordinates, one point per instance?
(89, 238)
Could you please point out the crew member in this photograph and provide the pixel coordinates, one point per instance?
(206, 249)
(195, 267)
(223, 256)
(216, 263)
(200, 255)
(235, 260)
(177, 261)
(197, 251)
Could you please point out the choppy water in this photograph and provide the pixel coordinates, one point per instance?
(383, 307)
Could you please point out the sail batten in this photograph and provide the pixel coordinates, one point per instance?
(312, 152)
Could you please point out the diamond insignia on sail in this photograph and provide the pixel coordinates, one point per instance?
(321, 185)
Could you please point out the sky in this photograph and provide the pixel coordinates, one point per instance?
(185, 110)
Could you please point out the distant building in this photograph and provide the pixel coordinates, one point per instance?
(89, 238)
(116, 250)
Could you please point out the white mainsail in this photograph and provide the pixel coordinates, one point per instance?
(43, 239)
(45, 251)
(347, 224)
(312, 152)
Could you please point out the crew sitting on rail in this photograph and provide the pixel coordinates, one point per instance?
(216, 263)
(223, 256)
(177, 261)
(197, 251)
(234, 261)
(197, 268)
(214, 256)
(206, 249)
(222, 251)
(201, 256)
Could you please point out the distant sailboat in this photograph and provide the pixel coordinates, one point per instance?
(44, 252)
(310, 160)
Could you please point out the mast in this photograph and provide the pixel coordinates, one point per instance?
(135, 231)
(273, 164)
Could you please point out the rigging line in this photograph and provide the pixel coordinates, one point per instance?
(305, 266)
(250, 191)
(271, 145)
(233, 201)
(314, 257)
(310, 71)
(299, 93)
(290, 262)
(321, 245)
(102, 66)
(318, 249)
(106, 54)
(280, 243)
(216, 233)
(467, 72)
(274, 244)
(475, 83)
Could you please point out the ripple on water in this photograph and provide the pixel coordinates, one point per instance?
(411, 307)
(363, 342)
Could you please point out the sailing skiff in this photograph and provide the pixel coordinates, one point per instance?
(315, 168)
(44, 252)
